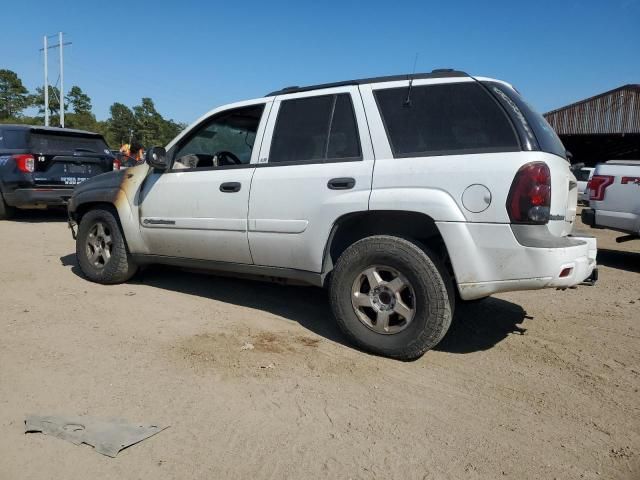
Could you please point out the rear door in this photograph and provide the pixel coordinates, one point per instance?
(315, 165)
(66, 159)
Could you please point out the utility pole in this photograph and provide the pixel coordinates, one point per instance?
(46, 48)
(46, 85)
(61, 80)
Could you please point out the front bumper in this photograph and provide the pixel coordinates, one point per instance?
(488, 259)
(38, 197)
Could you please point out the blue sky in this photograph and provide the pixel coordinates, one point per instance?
(191, 56)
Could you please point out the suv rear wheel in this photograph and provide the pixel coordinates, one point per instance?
(392, 297)
(6, 212)
(101, 250)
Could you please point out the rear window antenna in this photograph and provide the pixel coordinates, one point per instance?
(407, 102)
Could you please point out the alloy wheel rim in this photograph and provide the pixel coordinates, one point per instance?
(383, 299)
(99, 245)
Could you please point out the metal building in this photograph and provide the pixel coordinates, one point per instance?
(603, 127)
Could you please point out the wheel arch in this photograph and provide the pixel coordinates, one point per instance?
(355, 226)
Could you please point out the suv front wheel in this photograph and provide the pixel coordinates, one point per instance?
(391, 297)
(101, 250)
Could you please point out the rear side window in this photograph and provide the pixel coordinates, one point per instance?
(445, 119)
(66, 144)
(319, 128)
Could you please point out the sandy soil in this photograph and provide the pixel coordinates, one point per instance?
(526, 385)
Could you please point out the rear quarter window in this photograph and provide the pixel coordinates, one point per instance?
(444, 119)
(532, 122)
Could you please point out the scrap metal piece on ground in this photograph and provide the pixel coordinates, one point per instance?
(107, 436)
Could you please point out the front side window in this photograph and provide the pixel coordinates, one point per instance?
(321, 128)
(223, 140)
(444, 119)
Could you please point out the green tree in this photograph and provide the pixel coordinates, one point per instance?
(14, 97)
(78, 101)
(37, 100)
(149, 122)
(121, 124)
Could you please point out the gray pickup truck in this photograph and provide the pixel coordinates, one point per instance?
(614, 198)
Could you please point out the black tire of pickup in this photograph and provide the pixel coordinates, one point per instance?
(6, 212)
(119, 268)
(433, 295)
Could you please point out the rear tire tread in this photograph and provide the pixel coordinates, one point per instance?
(427, 267)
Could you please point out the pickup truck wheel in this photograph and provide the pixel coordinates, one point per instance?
(6, 212)
(101, 250)
(391, 297)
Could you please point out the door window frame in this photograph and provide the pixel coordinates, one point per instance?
(366, 150)
(187, 134)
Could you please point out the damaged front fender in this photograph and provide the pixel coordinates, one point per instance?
(118, 188)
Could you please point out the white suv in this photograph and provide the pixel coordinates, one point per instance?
(400, 194)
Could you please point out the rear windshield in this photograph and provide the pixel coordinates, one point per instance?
(532, 122)
(445, 119)
(13, 139)
(66, 144)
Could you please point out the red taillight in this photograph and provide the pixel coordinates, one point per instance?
(116, 164)
(25, 163)
(529, 199)
(597, 186)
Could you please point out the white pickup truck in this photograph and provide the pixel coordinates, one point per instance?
(614, 198)
(399, 194)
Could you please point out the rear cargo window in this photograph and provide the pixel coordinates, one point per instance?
(56, 143)
(444, 119)
(532, 121)
(13, 139)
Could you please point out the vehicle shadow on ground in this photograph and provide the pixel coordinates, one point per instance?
(629, 261)
(478, 326)
(40, 216)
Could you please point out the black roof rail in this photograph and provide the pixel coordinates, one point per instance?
(438, 73)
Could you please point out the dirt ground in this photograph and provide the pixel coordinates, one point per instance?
(525, 385)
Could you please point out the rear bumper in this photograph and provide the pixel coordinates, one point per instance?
(488, 259)
(38, 197)
(626, 222)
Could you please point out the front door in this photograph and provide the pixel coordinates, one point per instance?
(198, 208)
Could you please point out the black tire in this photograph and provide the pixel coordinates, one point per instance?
(118, 267)
(431, 296)
(6, 212)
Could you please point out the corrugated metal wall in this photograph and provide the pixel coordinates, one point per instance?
(614, 112)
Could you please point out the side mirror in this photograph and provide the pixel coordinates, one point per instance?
(157, 158)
